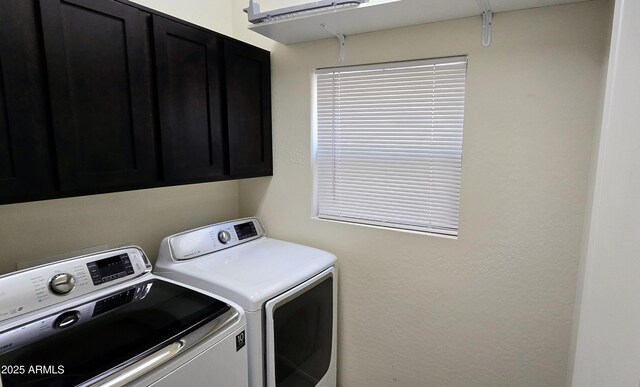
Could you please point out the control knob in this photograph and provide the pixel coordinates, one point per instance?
(224, 237)
(62, 283)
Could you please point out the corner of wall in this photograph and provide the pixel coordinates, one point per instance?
(608, 12)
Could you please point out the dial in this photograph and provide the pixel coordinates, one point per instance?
(224, 237)
(62, 283)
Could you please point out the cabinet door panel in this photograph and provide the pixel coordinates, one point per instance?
(188, 77)
(7, 165)
(26, 168)
(248, 86)
(97, 61)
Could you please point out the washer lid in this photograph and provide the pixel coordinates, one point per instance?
(251, 273)
(92, 340)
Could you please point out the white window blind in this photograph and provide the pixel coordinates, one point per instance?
(388, 141)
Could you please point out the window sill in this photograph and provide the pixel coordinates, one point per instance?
(428, 233)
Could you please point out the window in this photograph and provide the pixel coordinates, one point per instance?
(388, 144)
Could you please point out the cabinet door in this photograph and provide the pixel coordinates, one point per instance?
(26, 170)
(248, 89)
(98, 67)
(188, 77)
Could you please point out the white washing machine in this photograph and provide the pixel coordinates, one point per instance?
(104, 320)
(288, 292)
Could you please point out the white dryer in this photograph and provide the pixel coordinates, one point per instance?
(288, 291)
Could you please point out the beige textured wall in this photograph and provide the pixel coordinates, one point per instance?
(212, 14)
(31, 232)
(494, 307)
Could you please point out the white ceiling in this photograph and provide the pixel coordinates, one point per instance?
(381, 15)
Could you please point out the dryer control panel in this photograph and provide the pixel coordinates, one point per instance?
(42, 286)
(209, 239)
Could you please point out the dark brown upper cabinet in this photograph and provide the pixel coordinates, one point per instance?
(248, 97)
(100, 96)
(26, 172)
(188, 71)
(98, 67)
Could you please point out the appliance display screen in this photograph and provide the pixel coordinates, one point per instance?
(245, 230)
(109, 269)
(110, 266)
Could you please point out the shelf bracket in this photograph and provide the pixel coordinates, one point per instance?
(341, 40)
(487, 21)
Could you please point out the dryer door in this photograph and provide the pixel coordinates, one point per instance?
(301, 334)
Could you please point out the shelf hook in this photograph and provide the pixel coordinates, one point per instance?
(341, 40)
(487, 21)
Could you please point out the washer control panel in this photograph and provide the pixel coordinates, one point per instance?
(42, 286)
(209, 239)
